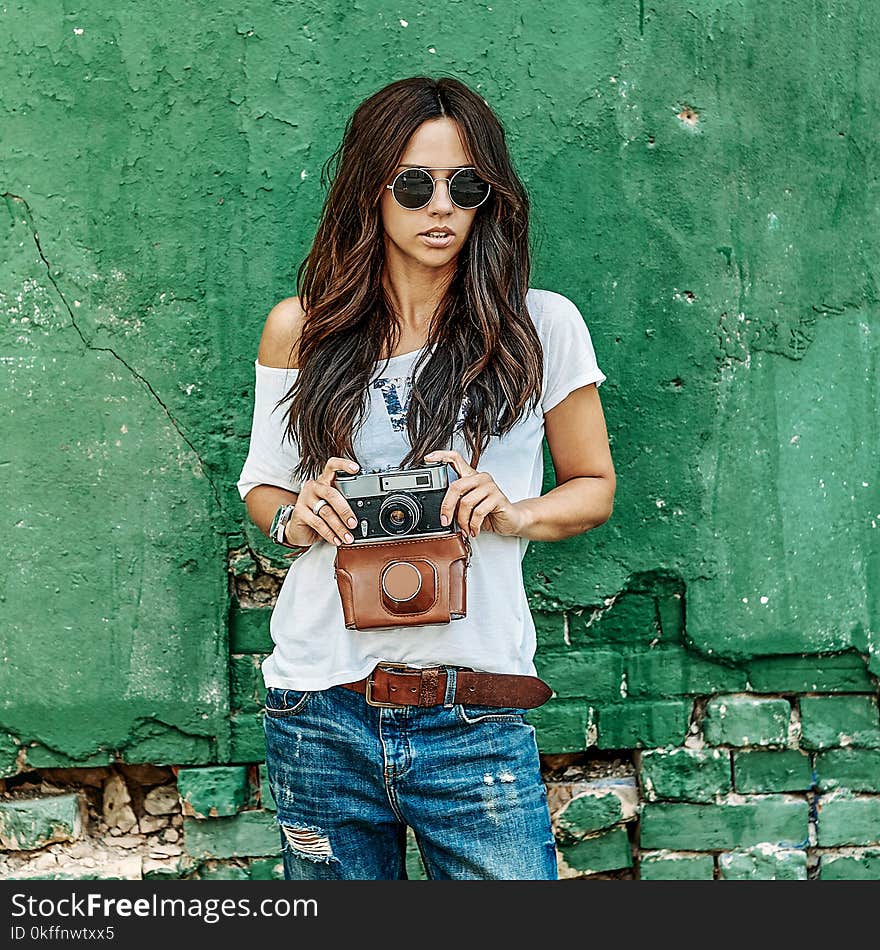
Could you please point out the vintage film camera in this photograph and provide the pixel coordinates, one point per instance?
(401, 503)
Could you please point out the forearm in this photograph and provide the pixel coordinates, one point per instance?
(567, 510)
(263, 501)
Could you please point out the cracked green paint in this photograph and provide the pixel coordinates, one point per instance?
(763, 864)
(608, 851)
(693, 775)
(214, 792)
(590, 812)
(28, 824)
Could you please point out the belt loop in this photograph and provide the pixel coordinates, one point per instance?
(449, 696)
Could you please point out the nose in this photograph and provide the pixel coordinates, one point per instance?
(440, 201)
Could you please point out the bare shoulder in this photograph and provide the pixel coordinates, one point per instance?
(280, 340)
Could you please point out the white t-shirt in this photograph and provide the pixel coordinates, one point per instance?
(313, 647)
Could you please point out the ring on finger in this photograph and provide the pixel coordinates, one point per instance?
(318, 505)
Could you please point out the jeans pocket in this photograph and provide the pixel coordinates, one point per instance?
(472, 713)
(281, 703)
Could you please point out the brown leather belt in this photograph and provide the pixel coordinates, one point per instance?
(396, 684)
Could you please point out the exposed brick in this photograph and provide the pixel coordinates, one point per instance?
(128, 868)
(624, 787)
(162, 800)
(30, 823)
(587, 813)
(214, 792)
(164, 870)
(675, 671)
(837, 673)
(246, 835)
(248, 738)
(848, 819)
(859, 865)
(828, 721)
(249, 630)
(561, 725)
(223, 872)
(676, 866)
(777, 819)
(267, 869)
(684, 774)
(160, 744)
(609, 851)
(246, 683)
(632, 619)
(763, 864)
(763, 770)
(630, 725)
(744, 720)
(595, 674)
(855, 769)
(39, 757)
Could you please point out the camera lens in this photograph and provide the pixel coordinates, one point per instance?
(399, 513)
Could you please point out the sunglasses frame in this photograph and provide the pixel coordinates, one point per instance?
(411, 168)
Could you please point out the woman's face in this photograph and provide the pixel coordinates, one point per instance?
(436, 146)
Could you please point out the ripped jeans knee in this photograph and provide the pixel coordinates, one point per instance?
(309, 842)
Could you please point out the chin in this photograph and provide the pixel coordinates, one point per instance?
(433, 255)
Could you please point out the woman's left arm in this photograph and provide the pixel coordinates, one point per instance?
(585, 481)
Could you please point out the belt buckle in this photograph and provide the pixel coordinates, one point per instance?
(368, 693)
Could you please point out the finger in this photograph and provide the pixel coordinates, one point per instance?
(337, 464)
(458, 488)
(306, 516)
(341, 506)
(330, 513)
(481, 512)
(312, 492)
(468, 504)
(455, 459)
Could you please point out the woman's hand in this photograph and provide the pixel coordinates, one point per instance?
(480, 502)
(305, 527)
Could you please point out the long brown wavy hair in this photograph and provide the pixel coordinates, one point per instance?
(487, 347)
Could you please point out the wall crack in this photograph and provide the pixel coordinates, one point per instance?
(30, 222)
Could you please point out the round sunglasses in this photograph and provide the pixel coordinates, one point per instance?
(413, 188)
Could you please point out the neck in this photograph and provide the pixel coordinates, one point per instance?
(414, 289)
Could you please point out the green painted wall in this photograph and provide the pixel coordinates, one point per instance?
(704, 187)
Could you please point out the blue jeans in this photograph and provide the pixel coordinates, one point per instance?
(347, 779)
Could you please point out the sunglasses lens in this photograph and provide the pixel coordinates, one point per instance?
(468, 190)
(413, 188)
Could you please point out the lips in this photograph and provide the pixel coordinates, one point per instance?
(444, 231)
(436, 242)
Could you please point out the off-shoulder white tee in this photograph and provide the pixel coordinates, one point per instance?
(313, 649)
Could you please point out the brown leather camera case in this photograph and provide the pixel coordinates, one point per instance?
(405, 582)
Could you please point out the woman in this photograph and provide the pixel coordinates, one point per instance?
(402, 348)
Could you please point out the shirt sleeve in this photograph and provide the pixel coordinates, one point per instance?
(569, 358)
(271, 457)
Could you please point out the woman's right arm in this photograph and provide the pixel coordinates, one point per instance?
(279, 348)
(262, 501)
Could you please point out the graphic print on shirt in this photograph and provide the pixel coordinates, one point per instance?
(396, 392)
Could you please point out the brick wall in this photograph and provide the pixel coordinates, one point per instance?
(659, 763)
